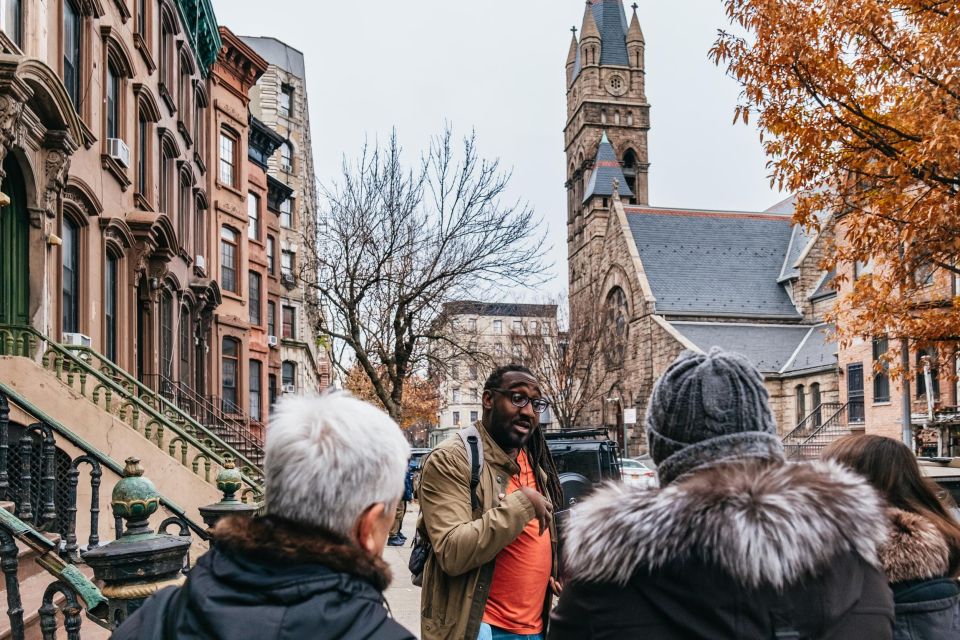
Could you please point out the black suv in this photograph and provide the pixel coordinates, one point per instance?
(584, 458)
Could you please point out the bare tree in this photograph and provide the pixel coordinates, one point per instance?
(568, 360)
(398, 242)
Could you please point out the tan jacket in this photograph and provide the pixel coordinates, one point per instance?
(457, 575)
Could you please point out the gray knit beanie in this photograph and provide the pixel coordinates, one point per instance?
(706, 409)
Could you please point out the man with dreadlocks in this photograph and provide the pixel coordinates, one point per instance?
(492, 571)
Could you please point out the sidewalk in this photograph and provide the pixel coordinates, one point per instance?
(402, 596)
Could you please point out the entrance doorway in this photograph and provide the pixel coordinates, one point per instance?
(14, 248)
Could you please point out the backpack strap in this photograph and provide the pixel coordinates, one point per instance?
(474, 446)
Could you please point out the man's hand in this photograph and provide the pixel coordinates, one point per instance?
(542, 507)
(556, 587)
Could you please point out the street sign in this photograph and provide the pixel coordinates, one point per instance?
(630, 416)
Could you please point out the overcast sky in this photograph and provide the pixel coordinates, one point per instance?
(498, 67)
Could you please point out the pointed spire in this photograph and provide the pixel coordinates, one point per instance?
(634, 34)
(589, 29)
(607, 177)
(572, 56)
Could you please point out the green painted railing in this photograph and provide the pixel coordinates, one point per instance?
(105, 460)
(114, 390)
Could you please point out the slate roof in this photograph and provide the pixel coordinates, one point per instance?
(774, 349)
(606, 169)
(818, 349)
(800, 239)
(825, 288)
(713, 263)
(611, 19)
(515, 309)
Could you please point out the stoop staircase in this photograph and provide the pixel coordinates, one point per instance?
(68, 416)
(827, 422)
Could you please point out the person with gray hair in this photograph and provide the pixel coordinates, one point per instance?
(737, 542)
(310, 566)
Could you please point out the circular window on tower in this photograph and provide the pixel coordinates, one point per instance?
(616, 84)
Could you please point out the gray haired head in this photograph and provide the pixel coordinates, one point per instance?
(330, 457)
(708, 408)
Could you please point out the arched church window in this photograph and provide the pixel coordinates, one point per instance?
(617, 328)
(630, 173)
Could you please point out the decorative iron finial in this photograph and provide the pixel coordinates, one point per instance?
(135, 498)
(634, 6)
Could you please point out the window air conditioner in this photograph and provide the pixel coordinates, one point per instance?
(119, 151)
(289, 388)
(76, 340)
(200, 262)
(272, 341)
(288, 280)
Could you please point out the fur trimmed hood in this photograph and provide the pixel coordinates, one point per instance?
(276, 540)
(764, 523)
(915, 548)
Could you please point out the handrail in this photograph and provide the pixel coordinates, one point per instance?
(817, 412)
(130, 395)
(829, 423)
(143, 389)
(234, 427)
(94, 452)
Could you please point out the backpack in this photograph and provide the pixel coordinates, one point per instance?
(422, 548)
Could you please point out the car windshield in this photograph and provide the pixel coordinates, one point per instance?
(631, 464)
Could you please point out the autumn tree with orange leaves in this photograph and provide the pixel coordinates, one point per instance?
(858, 102)
(421, 401)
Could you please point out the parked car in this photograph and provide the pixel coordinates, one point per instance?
(945, 472)
(584, 458)
(641, 472)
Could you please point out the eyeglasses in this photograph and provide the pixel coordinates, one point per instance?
(520, 400)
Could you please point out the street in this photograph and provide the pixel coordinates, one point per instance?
(403, 599)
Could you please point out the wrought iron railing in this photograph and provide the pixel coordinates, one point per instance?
(117, 392)
(228, 422)
(809, 439)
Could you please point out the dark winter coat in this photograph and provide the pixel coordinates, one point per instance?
(271, 580)
(916, 559)
(738, 550)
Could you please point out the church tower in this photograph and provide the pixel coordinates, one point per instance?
(605, 137)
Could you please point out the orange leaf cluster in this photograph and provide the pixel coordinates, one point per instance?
(421, 401)
(858, 103)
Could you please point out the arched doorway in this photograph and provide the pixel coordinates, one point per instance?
(14, 248)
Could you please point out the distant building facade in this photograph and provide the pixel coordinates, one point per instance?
(279, 100)
(484, 333)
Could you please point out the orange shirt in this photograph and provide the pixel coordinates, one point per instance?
(522, 571)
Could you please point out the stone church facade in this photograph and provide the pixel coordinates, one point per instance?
(669, 279)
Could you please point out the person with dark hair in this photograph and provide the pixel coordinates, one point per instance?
(486, 507)
(921, 555)
(736, 542)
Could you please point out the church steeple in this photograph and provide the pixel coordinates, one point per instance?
(590, 42)
(635, 41)
(572, 56)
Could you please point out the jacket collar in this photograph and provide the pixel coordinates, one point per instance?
(493, 454)
(764, 523)
(273, 539)
(915, 548)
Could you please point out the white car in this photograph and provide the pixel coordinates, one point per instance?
(638, 472)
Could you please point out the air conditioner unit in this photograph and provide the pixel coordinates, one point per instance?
(272, 341)
(76, 340)
(288, 280)
(119, 151)
(289, 388)
(200, 262)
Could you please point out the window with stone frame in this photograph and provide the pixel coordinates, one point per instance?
(255, 298)
(228, 158)
(285, 101)
(11, 20)
(229, 260)
(617, 323)
(881, 377)
(72, 51)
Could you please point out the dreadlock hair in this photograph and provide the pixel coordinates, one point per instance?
(538, 453)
